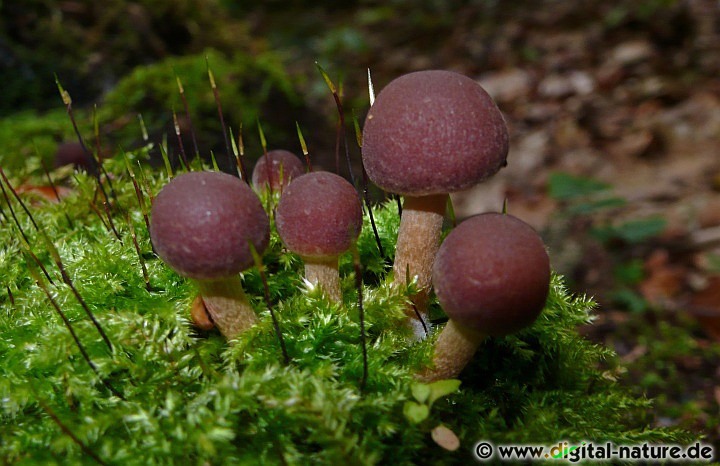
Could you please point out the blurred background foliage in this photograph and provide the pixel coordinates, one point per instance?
(91, 45)
(264, 54)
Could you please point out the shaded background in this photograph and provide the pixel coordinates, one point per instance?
(613, 109)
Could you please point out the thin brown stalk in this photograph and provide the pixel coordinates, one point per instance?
(365, 191)
(66, 430)
(341, 133)
(106, 206)
(181, 90)
(183, 156)
(276, 325)
(70, 328)
(146, 277)
(22, 232)
(216, 94)
(95, 209)
(57, 194)
(361, 314)
(239, 153)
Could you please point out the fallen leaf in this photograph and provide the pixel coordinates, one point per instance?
(636, 144)
(635, 354)
(709, 214)
(445, 437)
(507, 85)
(705, 307)
(45, 192)
(664, 279)
(199, 315)
(632, 52)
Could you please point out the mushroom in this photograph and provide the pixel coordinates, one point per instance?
(75, 154)
(319, 216)
(491, 276)
(430, 133)
(283, 166)
(202, 225)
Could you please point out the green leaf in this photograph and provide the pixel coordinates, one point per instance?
(592, 206)
(629, 273)
(632, 231)
(636, 231)
(442, 388)
(563, 186)
(420, 392)
(415, 412)
(629, 299)
(713, 262)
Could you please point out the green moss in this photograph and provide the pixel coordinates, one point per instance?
(28, 137)
(191, 398)
(245, 83)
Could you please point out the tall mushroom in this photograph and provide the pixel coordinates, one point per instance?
(202, 226)
(430, 133)
(276, 169)
(491, 276)
(319, 216)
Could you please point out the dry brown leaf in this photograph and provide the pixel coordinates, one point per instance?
(705, 307)
(199, 315)
(44, 192)
(634, 354)
(664, 279)
(445, 437)
(709, 215)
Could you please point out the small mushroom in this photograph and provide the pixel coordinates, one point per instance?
(491, 276)
(73, 153)
(430, 133)
(318, 217)
(202, 225)
(283, 166)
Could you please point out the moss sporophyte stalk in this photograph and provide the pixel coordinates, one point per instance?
(101, 364)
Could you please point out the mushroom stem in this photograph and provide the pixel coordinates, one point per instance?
(324, 272)
(454, 349)
(227, 304)
(417, 244)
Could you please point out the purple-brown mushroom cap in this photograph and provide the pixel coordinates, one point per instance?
(319, 215)
(202, 224)
(492, 274)
(433, 132)
(292, 167)
(73, 153)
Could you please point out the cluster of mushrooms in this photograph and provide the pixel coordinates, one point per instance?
(428, 134)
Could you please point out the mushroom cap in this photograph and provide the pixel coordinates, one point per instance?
(433, 132)
(73, 153)
(492, 274)
(319, 215)
(203, 222)
(291, 167)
